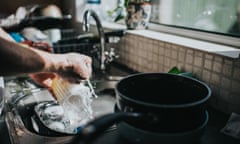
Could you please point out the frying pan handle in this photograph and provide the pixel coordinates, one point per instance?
(96, 127)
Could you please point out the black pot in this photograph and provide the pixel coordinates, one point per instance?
(175, 103)
(155, 102)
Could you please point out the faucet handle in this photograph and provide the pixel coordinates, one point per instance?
(110, 55)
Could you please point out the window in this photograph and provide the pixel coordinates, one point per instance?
(212, 20)
(217, 21)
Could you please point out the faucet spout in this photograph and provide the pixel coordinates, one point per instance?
(86, 27)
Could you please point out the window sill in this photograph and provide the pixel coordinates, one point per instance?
(219, 49)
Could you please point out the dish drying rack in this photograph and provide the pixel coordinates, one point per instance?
(66, 45)
(87, 48)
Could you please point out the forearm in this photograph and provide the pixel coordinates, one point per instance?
(16, 59)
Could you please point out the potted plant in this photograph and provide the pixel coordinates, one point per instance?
(118, 13)
(135, 12)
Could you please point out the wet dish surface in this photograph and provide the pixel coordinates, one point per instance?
(103, 104)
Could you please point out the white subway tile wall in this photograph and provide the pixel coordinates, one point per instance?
(221, 73)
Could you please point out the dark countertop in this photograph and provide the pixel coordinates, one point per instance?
(212, 135)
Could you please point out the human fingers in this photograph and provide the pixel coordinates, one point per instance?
(43, 78)
(84, 66)
(76, 67)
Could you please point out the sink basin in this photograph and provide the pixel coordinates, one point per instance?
(106, 84)
(21, 113)
(105, 81)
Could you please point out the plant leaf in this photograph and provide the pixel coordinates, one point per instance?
(126, 3)
(119, 17)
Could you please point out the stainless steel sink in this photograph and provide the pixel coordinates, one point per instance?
(107, 83)
(108, 79)
(19, 113)
(23, 126)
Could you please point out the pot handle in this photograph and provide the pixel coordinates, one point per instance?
(96, 127)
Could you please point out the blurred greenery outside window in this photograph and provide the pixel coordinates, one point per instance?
(221, 18)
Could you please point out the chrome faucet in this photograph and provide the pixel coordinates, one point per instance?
(86, 27)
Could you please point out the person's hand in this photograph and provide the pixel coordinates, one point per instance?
(74, 67)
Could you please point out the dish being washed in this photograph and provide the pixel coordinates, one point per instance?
(56, 120)
(51, 115)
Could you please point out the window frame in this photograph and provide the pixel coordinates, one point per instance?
(196, 34)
